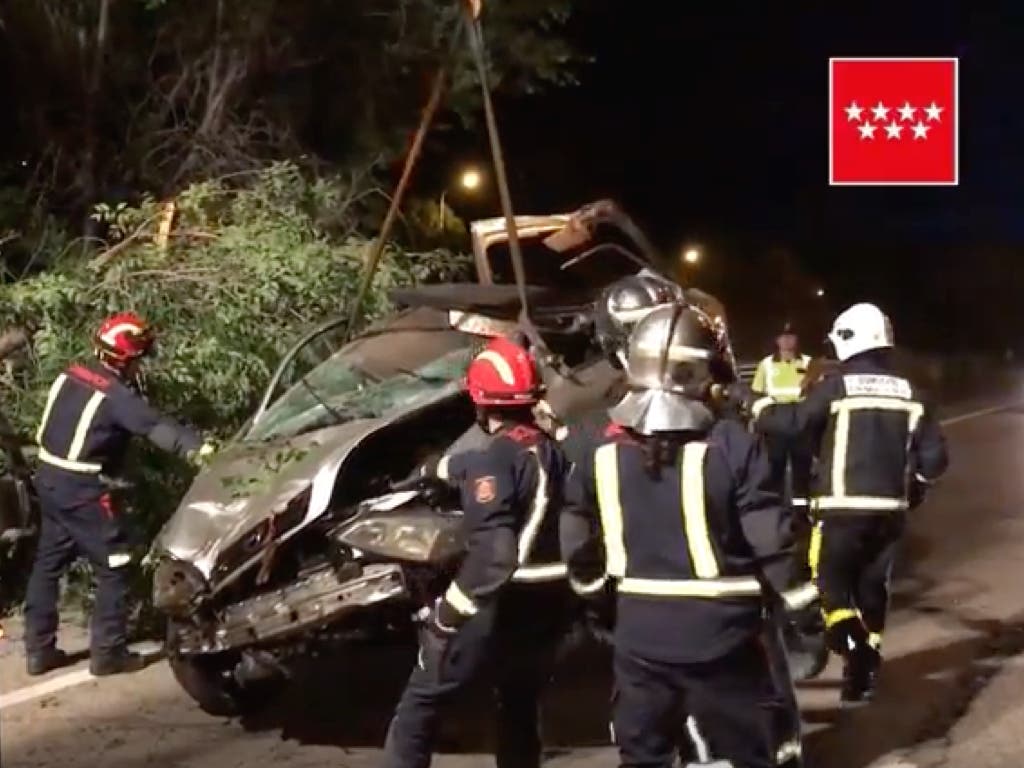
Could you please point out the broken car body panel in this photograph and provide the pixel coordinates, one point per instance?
(247, 483)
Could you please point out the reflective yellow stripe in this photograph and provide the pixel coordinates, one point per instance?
(84, 423)
(695, 520)
(839, 448)
(798, 598)
(442, 467)
(814, 550)
(875, 640)
(791, 392)
(840, 614)
(119, 560)
(842, 410)
(533, 573)
(788, 750)
(459, 600)
(606, 471)
(759, 405)
(878, 404)
(739, 587)
(867, 503)
(71, 466)
(538, 508)
(587, 587)
(784, 391)
(50, 400)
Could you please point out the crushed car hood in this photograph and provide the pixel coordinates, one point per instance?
(250, 482)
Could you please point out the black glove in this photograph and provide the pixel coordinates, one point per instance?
(422, 477)
(434, 643)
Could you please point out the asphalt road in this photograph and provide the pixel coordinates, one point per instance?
(958, 620)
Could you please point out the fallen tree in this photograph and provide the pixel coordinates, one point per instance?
(249, 264)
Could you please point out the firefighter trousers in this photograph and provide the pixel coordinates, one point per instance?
(783, 708)
(69, 529)
(852, 557)
(514, 642)
(796, 454)
(726, 697)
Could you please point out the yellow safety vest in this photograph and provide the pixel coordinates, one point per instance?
(780, 379)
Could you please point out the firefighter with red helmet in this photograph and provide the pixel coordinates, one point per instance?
(509, 603)
(91, 413)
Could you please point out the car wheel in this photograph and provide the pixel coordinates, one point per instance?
(211, 681)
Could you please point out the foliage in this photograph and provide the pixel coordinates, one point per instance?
(112, 98)
(248, 268)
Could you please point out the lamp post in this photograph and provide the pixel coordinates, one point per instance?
(691, 256)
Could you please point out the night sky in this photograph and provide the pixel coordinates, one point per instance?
(708, 121)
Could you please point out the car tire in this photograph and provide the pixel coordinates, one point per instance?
(209, 679)
(210, 682)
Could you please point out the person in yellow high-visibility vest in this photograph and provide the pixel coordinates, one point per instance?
(781, 376)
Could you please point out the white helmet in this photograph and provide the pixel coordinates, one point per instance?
(860, 328)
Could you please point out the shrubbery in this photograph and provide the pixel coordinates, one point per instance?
(251, 263)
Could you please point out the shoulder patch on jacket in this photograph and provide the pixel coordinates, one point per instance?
(485, 489)
(522, 433)
(90, 378)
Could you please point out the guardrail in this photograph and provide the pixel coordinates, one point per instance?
(746, 371)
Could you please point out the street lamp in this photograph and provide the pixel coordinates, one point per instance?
(820, 293)
(691, 256)
(470, 179)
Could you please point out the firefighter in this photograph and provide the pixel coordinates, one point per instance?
(880, 446)
(509, 603)
(679, 510)
(639, 297)
(780, 376)
(618, 310)
(92, 411)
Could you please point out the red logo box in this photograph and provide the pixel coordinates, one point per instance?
(893, 122)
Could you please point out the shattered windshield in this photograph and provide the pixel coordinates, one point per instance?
(374, 376)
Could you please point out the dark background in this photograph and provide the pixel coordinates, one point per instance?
(708, 122)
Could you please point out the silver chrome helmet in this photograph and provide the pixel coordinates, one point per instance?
(671, 364)
(625, 303)
(726, 371)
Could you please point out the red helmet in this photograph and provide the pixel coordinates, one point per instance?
(504, 374)
(122, 338)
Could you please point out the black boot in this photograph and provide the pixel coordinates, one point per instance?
(860, 675)
(40, 662)
(872, 664)
(115, 662)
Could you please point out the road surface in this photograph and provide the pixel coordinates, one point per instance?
(958, 621)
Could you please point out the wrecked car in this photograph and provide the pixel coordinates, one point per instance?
(294, 535)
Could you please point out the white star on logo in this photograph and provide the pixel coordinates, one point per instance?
(867, 131)
(853, 111)
(907, 111)
(921, 130)
(881, 111)
(933, 111)
(893, 130)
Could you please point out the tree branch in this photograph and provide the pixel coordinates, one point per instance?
(101, 260)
